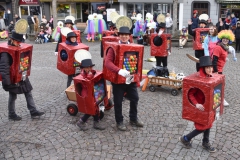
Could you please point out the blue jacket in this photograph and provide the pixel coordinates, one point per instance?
(206, 41)
(233, 21)
(195, 21)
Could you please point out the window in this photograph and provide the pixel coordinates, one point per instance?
(24, 10)
(138, 8)
(201, 7)
(130, 10)
(63, 10)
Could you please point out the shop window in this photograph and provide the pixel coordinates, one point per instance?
(24, 10)
(63, 10)
(147, 9)
(157, 8)
(35, 10)
(201, 7)
(138, 8)
(130, 9)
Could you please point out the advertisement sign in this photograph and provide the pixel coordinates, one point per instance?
(109, 11)
(28, 2)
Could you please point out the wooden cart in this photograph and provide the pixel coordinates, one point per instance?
(175, 84)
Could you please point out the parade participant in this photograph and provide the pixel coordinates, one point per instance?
(90, 29)
(68, 23)
(161, 58)
(101, 26)
(120, 89)
(57, 31)
(88, 73)
(210, 41)
(220, 52)
(183, 37)
(71, 40)
(22, 87)
(115, 34)
(202, 24)
(197, 98)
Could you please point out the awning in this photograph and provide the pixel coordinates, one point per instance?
(28, 2)
(152, 1)
(105, 1)
(227, 1)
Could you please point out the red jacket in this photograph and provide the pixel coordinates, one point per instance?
(222, 56)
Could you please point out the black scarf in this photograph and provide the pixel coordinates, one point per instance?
(225, 47)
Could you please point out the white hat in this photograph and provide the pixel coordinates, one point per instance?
(82, 54)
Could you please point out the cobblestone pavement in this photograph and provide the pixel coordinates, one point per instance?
(55, 136)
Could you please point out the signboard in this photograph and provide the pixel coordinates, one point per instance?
(28, 2)
(109, 11)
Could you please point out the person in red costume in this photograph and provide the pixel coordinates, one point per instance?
(220, 52)
(197, 98)
(88, 73)
(120, 89)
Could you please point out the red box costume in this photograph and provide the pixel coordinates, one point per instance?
(77, 32)
(213, 91)
(127, 56)
(68, 66)
(90, 93)
(21, 60)
(161, 51)
(107, 33)
(200, 35)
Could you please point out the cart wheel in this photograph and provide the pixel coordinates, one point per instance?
(109, 105)
(174, 92)
(101, 115)
(72, 109)
(152, 88)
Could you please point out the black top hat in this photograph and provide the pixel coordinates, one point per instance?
(124, 30)
(87, 63)
(162, 25)
(205, 61)
(203, 21)
(68, 21)
(16, 36)
(71, 34)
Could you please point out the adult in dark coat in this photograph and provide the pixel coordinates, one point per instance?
(23, 87)
(237, 36)
(202, 24)
(195, 19)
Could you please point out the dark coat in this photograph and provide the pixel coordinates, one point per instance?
(19, 88)
(237, 33)
(195, 22)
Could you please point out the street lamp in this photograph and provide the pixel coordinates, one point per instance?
(110, 2)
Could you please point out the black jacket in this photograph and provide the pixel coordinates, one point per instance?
(237, 33)
(19, 88)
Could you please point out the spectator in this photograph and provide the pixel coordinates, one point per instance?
(2, 24)
(43, 21)
(169, 23)
(183, 37)
(220, 26)
(36, 25)
(10, 27)
(51, 22)
(209, 22)
(227, 22)
(195, 20)
(233, 21)
(237, 36)
(31, 22)
(17, 17)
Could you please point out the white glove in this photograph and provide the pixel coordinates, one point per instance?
(123, 72)
(169, 53)
(235, 59)
(160, 32)
(200, 107)
(56, 53)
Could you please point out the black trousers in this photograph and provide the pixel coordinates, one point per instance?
(198, 54)
(237, 48)
(132, 95)
(69, 80)
(86, 116)
(196, 132)
(161, 61)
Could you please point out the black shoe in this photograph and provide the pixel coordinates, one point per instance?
(208, 147)
(187, 144)
(137, 123)
(15, 117)
(121, 126)
(37, 114)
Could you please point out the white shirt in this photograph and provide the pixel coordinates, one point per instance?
(169, 22)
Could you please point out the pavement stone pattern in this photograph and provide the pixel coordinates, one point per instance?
(55, 136)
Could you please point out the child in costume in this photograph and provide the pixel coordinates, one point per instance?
(57, 31)
(101, 26)
(90, 28)
(220, 52)
(197, 98)
(210, 41)
(88, 73)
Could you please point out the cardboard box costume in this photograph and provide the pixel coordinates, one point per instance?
(200, 34)
(66, 62)
(213, 90)
(127, 56)
(21, 60)
(164, 48)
